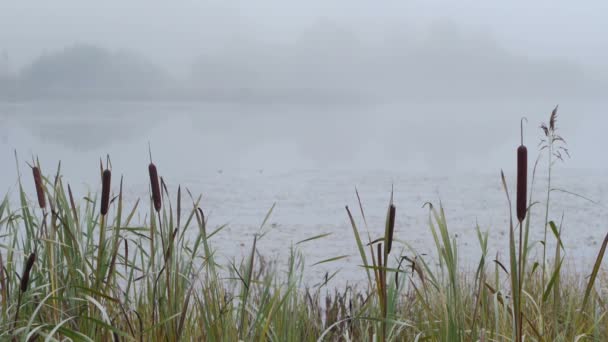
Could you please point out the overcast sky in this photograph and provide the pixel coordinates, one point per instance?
(172, 34)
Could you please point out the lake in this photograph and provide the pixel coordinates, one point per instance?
(308, 159)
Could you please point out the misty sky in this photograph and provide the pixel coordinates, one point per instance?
(173, 34)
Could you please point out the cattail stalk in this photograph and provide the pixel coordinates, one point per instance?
(522, 181)
(39, 187)
(106, 179)
(155, 185)
(522, 207)
(25, 280)
(391, 228)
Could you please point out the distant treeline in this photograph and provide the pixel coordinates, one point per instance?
(84, 71)
(329, 67)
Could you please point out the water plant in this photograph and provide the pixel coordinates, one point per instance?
(82, 267)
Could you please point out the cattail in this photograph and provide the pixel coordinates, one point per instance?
(155, 186)
(39, 187)
(522, 179)
(25, 278)
(106, 178)
(391, 228)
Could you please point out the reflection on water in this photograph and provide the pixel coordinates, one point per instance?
(194, 137)
(78, 126)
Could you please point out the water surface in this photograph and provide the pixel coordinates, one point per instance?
(308, 159)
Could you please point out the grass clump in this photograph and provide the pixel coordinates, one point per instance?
(87, 270)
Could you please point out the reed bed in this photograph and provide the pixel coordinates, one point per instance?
(86, 270)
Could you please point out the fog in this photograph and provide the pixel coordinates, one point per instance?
(419, 85)
(311, 52)
(172, 34)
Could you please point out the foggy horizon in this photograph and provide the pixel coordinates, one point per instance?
(273, 52)
(423, 80)
(172, 36)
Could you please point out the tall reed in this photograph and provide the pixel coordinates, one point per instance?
(522, 207)
(24, 283)
(106, 178)
(80, 285)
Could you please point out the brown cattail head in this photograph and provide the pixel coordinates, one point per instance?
(39, 187)
(391, 228)
(155, 185)
(522, 182)
(106, 178)
(25, 277)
